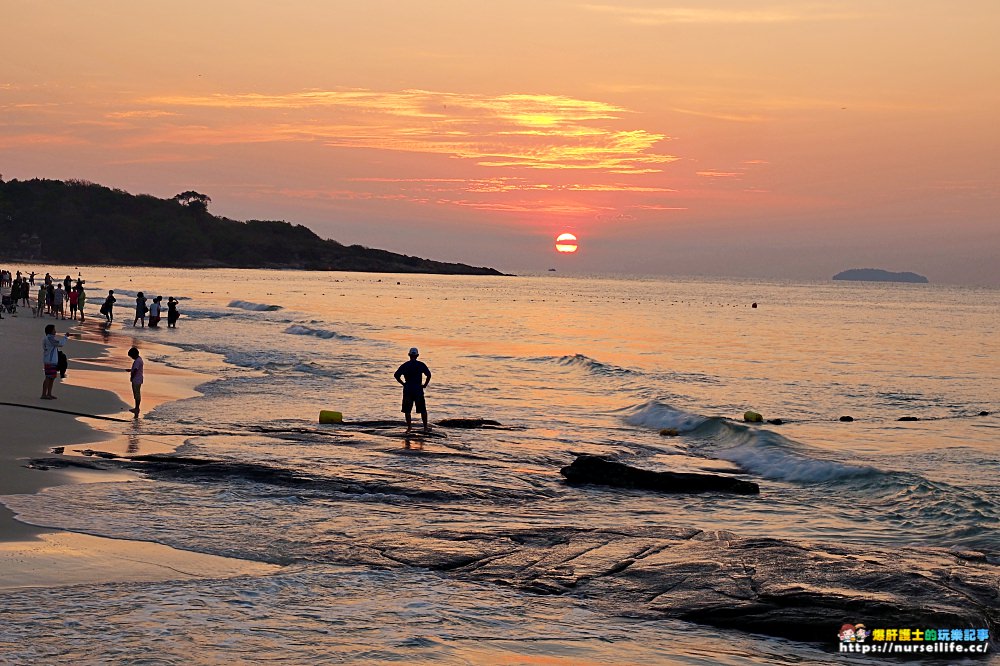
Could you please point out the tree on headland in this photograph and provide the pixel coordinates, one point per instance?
(77, 222)
(196, 201)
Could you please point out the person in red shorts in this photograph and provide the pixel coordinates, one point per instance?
(50, 359)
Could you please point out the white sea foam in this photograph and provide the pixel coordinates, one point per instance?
(758, 451)
(780, 464)
(256, 307)
(325, 334)
(657, 416)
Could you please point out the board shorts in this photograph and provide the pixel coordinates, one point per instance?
(410, 401)
(51, 370)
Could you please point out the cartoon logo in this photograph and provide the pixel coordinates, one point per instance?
(860, 633)
(846, 634)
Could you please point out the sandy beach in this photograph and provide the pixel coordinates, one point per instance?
(96, 384)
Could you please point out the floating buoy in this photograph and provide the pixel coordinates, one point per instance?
(752, 417)
(326, 416)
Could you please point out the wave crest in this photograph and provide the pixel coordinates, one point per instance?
(591, 365)
(655, 415)
(756, 450)
(299, 329)
(256, 307)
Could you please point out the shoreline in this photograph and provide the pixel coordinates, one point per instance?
(96, 383)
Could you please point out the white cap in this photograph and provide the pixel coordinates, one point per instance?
(414, 352)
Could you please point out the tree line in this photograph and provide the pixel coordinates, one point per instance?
(76, 222)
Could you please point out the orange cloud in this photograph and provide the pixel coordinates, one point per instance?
(36, 139)
(720, 174)
(140, 114)
(505, 131)
(654, 16)
(656, 207)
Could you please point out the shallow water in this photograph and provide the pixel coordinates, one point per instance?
(568, 365)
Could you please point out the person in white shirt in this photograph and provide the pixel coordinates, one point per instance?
(50, 359)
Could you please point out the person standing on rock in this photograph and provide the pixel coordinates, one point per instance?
(411, 376)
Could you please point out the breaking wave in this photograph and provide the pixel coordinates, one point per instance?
(299, 329)
(256, 307)
(756, 450)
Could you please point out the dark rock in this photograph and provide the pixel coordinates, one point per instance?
(601, 471)
(775, 421)
(63, 463)
(970, 555)
(908, 418)
(99, 454)
(846, 419)
(769, 586)
(984, 413)
(467, 423)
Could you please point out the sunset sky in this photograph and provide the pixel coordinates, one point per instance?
(714, 137)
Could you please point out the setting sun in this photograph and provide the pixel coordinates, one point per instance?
(566, 243)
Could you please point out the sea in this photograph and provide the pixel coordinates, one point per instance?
(657, 372)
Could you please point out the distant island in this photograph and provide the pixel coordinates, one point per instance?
(77, 222)
(878, 275)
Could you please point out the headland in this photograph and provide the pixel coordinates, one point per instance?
(142, 230)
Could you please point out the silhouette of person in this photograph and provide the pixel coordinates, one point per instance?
(411, 375)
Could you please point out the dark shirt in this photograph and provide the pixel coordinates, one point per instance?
(412, 373)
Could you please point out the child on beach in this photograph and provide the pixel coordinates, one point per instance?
(50, 359)
(154, 312)
(108, 309)
(135, 376)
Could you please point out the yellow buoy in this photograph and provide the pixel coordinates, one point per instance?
(752, 417)
(326, 416)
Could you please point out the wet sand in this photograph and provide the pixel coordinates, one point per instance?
(96, 384)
